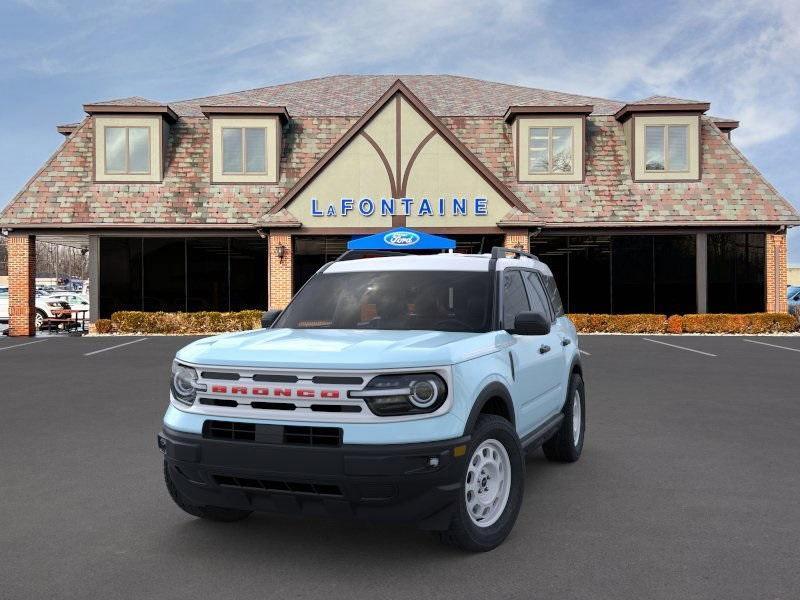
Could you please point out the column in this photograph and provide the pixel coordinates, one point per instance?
(775, 273)
(21, 284)
(94, 277)
(279, 260)
(701, 272)
(517, 239)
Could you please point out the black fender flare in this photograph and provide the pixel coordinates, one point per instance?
(492, 390)
(574, 367)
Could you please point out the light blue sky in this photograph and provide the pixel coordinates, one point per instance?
(56, 55)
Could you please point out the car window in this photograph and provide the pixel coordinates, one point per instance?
(537, 295)
(552, 292)
(515, 298)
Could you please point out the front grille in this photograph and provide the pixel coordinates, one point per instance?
(268, 485)
(273, 434)
(312, 436)
(229, 430)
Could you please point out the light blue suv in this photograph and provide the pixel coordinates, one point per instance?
(393, 387)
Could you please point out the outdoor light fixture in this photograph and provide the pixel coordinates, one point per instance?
(280, 252)
(4, 231)
(517, 246)
(261, 233)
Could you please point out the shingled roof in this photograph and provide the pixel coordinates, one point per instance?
(731, 191)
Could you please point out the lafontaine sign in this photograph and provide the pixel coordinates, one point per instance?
(422, 207)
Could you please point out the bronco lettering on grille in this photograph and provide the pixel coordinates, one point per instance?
(240, 390)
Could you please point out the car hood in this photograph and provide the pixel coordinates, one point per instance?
(338, 348)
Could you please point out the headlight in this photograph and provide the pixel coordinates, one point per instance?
(184, 383)
(403, 394)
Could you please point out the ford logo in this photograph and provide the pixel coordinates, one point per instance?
(401, 238)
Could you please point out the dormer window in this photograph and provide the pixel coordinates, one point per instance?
(244, 150)
(245, 143)
(666, 148)
(548, 142)
(550, 150)
(127, 150)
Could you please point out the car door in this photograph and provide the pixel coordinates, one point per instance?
(535, 359)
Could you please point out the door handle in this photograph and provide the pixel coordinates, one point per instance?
(544, 348)
(566, 342)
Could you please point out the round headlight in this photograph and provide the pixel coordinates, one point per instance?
(423, 393)
(184, 383)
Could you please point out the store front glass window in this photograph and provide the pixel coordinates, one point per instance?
(736, 272)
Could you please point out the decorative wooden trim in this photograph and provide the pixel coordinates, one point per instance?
(384, 160)
(398, 87)
(131, 109)
(279, 111)
(630, 109)
(515, 111)
(412, 158)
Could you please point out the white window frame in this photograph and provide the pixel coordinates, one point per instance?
(127, 129)
(665, 148)
(244, 171)
(550, 129)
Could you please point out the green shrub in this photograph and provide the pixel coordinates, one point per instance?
(198, 322)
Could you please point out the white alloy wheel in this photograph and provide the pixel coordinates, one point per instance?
(488, 483)
(576, 417)
(38, 320)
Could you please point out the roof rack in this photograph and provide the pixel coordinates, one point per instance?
(498, 252)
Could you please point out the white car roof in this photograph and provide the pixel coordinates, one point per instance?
(445, 261)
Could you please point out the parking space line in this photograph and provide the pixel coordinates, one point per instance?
(114, 347)
(20, 345)
(680, 347)
(771, 345)
(585, 352)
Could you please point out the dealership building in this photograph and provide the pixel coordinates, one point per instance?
(233, 201)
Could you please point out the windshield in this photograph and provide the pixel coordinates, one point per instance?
(431, 300)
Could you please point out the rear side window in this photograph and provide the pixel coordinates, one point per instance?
(537, 294)
(515, 299)
(552, 292)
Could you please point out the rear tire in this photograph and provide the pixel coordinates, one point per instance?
(39, 318)
(567, 444)
(212, 513)
(492, 488)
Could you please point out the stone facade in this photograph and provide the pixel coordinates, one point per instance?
(776, 273)
(22, 284)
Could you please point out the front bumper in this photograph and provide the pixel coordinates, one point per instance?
(412, 483)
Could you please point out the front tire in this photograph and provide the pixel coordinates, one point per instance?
(567, 444)
(212, 513)
(39, 318)
(492, 487)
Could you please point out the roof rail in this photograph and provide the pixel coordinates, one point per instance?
(498, 252)
(356, 254)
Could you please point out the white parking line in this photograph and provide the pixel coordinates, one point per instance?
(585, 352)
(771, 345)
(680, 347)
(20, 345)
(114, 347)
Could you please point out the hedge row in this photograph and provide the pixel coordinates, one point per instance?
(197, 322)
(706, 323)
(217, 322)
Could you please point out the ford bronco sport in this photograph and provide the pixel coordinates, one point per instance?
(394, 387)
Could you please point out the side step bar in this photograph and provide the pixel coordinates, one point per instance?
(539, 436)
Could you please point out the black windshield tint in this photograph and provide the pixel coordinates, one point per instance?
(431, 300)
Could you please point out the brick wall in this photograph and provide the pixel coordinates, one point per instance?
(280, 271)
(517, 237)
(776, 273)
(21, 284)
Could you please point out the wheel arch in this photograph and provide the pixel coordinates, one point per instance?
(494, 399)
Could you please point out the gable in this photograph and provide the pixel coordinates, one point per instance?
(398, 161)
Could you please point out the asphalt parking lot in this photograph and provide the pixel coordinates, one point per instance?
(689, 487)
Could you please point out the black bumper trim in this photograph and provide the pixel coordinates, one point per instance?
(415, 482)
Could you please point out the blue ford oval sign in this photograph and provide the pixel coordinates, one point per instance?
(401, 238)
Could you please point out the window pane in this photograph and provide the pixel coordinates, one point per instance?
(562, 149)
(589, 274)
(138, 149)
(654, 148)
(555, 297)
(164, 277)
(736, 272)
(632, 274)
(115, 149)
(536, 294)
(207, 273)
(231, 150)
(552, 251)
(675, 280)
(515, 299)
(255, 139)
(538, 150)
(248, 273)
(120, 266)
(678, 140)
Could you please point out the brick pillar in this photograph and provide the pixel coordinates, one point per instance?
(21, 284)
(775, 273)
(517, 238)
(280, 270)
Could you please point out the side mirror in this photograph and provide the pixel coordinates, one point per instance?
(269, 317)
(531, 323)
